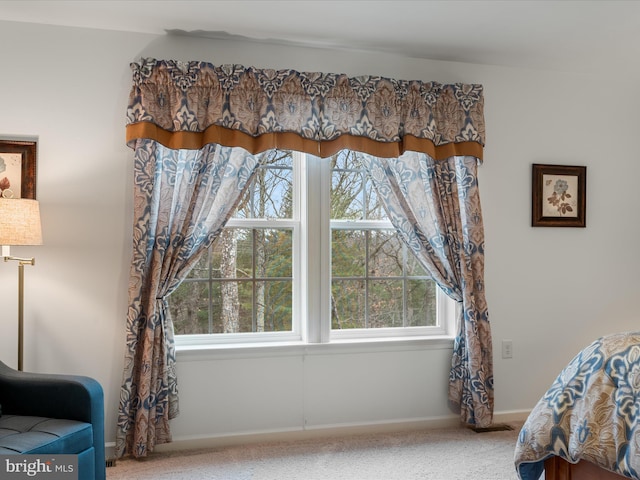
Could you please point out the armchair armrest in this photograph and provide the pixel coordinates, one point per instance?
(71, 397)
(50, 395)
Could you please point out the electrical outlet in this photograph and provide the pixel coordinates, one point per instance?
(507, 349)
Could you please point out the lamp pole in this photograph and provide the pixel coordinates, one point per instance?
(21, 263)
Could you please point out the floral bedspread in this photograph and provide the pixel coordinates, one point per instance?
(591, 412)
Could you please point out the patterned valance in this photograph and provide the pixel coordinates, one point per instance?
(190, 104)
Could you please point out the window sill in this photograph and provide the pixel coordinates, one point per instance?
(279, 349)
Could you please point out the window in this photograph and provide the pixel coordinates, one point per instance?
(338, 271)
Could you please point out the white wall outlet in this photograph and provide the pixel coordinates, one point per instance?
(507, 349)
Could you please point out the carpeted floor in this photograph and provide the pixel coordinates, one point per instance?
(439, 454)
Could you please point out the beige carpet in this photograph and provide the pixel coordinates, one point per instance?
(442, 454)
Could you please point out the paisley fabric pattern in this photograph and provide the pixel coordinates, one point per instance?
(181, 119)
(591, 412)
(435, 208)
(189, 104)
(182, 199)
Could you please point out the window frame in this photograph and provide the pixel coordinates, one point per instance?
(311, 271)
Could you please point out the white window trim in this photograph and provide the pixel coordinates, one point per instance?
(311, 322)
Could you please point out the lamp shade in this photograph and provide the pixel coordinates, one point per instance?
(20, 222)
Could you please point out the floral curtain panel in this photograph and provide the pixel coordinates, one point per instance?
(178, 106)
(182, 199)
(435, 207)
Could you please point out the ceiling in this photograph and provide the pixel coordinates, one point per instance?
(559, 34)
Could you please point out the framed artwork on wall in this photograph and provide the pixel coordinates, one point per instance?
(558, 196)
(17, 169)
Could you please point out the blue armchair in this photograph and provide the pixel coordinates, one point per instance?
(53, 414)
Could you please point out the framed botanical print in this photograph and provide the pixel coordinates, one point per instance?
(17, 169)
(558, 196)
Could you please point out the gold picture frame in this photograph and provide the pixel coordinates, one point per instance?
(559, 196)
(18, 168)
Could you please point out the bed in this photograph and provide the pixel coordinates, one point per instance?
(587, 425)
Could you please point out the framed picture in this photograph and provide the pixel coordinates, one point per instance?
(559, 196)
(17, 169)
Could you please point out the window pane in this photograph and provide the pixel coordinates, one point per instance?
(270, 194)
(374, 207)
(352, 194)
(385, 303)
(345, 159)
(201, 268)
(347, 195)
(232, 254)
(385, 254)
(243, 296)
(347, 304)
(239, 250)
(421, 303)
(376, 266)
(273, 251)
(348, 253)
(235, 311)
(232, 307)
(274, 313)
(189, 308)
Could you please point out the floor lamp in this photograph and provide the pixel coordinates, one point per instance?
(19, 225)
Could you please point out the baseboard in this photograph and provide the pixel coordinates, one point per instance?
(511, 416)
(325, 431)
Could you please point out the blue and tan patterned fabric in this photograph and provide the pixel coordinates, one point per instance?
(435, 207)
(190, 104)
(223, 116)
(591, 412)
(182, 199)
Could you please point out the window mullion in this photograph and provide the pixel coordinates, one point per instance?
(316, 258)
(325, 249)
(367, 238)
(405, 288)
(254, 300)
(210, 283)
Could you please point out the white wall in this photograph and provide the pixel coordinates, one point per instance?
(550, 290)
